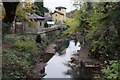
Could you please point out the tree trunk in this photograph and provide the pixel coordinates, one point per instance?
(10, 9)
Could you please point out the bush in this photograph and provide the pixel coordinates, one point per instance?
(111, 71)
(19, 60)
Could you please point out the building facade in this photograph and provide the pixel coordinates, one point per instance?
(59, 14)
(40, 24)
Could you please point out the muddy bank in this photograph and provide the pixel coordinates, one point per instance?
(83, 64)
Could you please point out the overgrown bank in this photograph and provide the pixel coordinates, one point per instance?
(22, 52)
(99, 24)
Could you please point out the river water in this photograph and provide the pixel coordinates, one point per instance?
(56, 67)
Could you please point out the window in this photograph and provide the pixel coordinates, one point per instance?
(59, 9)
(40, 23)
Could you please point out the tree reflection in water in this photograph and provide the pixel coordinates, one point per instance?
(61, 48)
(79, 72)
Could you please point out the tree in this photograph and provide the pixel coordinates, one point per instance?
(23, 12)
(103, 34)
(100, 23)
(10, 10)
(41, 8)
(20, 12)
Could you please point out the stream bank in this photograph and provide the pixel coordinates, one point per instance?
(83, 66)
(23, 49)
(79, 65)
(59, 48)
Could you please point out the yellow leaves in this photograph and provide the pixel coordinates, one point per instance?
(12, 62)
(69, 20)
(22, 13)
(34, 71)
(2, 11)
(23, 67)
(73, 23)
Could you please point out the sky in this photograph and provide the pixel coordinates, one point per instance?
(51, 4)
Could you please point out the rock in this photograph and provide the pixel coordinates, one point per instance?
(50, 49)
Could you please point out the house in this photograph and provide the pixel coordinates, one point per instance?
(50, 24)
(59, 14)
(48, 18)
(39, 21)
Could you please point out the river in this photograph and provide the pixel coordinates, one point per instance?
(56, 67)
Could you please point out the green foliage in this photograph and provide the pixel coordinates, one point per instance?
(41, 8)
(104, 34)
(14, 66)
(44, 42)
(20, 56)
(111, 71)
(22, 13)
(73, 23)
(25, 45)
(100, 24)
(19, 60)
(6, 28)
(45, 23)
(9, 39)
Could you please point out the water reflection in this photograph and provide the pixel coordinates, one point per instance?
(61, 48)
(55, 67)
(77, 73)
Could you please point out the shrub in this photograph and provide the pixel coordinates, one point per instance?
(111, 71)
(19, 60)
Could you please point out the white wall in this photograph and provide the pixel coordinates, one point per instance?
(30, 29)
